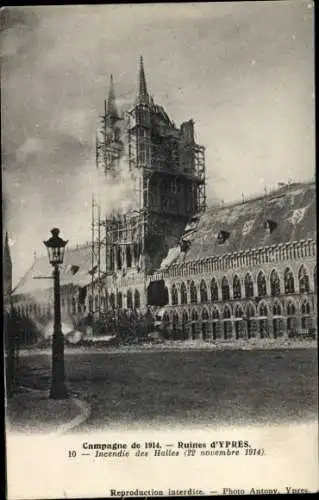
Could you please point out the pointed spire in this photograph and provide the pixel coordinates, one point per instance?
(111, 101)
(143, 97)
(6, 251)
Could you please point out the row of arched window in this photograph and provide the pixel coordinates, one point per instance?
(247, 312)
(116, 300)
(225, 323)
(274, 287)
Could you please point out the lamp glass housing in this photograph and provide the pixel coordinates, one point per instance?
(56, 247)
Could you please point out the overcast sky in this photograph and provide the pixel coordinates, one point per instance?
(243, 71)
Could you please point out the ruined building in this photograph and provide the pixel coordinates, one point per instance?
(241, 271)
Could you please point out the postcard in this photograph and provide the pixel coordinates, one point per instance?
(159, 250)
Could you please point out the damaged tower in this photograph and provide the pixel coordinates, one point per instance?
(167, 168)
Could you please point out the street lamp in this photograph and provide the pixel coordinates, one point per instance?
(56, 246)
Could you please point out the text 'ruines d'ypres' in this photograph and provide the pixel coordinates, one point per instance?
(180, 448)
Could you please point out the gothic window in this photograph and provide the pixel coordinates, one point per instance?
(137, 301)
(128, 256)
(112, 300)
(306, 319)
(274, 283)
(263, 311)
(249, 286)
(305, 308)
(203, 292)
(205, 315)
(129, 300)
(250, 311)
(90, 304)
(119, 258)
(194, 316)
(303, 278)
(214, 290)
(96, 299)
(227, 312)
(261, 284)
(119, 300)
(236, 287)
(276, 310)
(225, 289)
(175, 321)
(183, 293)
(174, 295)
(289, 281)
(238, 312)
(193, 293)
(166, 318)
(291, 309)
(215, 313)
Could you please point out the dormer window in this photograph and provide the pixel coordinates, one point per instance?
(74, 269)
(222, 236)
(184, 245)
(270, 225)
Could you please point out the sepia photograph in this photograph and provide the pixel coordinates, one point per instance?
(159, 249)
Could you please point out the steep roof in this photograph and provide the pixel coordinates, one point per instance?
(286, 215)
(76, 270)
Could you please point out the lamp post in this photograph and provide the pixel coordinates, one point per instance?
(56, 246)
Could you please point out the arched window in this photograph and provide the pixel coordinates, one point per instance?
(214, 290)
(250, 320)
(128, 256)
(263, 321)
(236, 287)
(203, 292)
(306, 319)
(96, 301)
(205, 317)
(137, 301)
(291, 309)
(278, 324)
(215, 314)
(303, 278)
(249, 286)
(90, 304)
(261, 284)
(119, 300)
(263, 311)
(175, 324)
(194, 324)
(239, 324)
(184, 324)
(227, 312)
(174, 295)
(276, 310)
(227, 323)
(183, 293)
(112, 300)
(193, 293)
(289, 281)
(215, 323)
(305, 308)
(119, 258)
(225, 289)
(291, 319)
(166, 319)
(239, 312)
(274, 283)
(129, 300)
